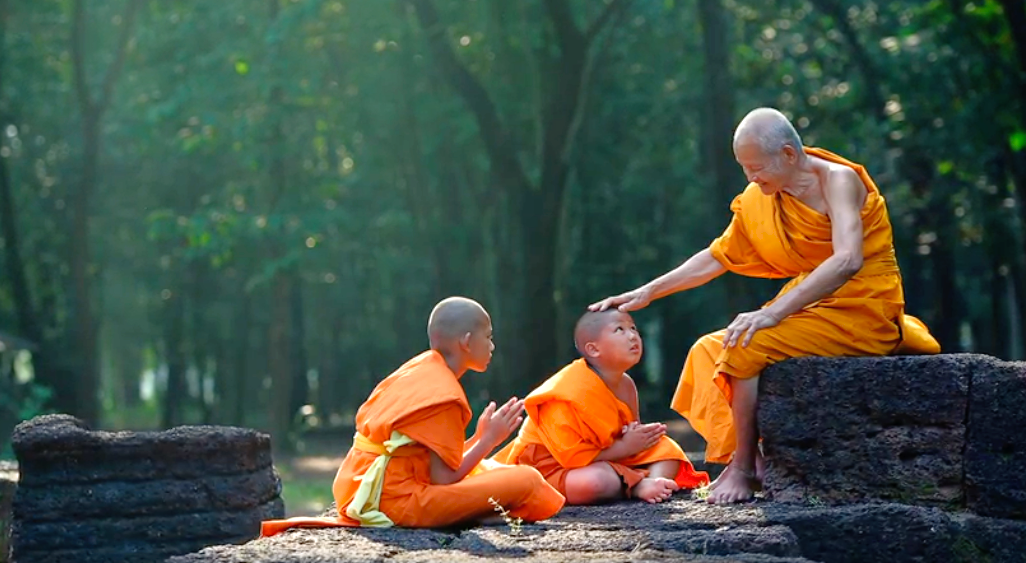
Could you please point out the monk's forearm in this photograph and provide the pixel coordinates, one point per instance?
(827, 278)
(695, 271)
(442, 474)
(618, 450)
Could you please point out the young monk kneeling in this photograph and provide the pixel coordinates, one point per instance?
(409, 465)
(583, 431)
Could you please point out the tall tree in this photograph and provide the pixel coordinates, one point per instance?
(536, 202)
(92, 107)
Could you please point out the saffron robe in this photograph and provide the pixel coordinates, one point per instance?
(571, 418)
(423, 401)
(778, 236)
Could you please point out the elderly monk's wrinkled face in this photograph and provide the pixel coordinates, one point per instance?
(481, 347)
(619, 343)
(769, 171)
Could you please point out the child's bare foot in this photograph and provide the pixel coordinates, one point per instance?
(734, 486)
(654, 489)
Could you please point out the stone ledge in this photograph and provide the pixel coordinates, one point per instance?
(679, 530)
(927, 430)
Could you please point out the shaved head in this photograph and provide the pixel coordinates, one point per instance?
(769, 129)
(452, 318)
(591, 324)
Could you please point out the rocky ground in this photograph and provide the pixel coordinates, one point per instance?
(680, 530)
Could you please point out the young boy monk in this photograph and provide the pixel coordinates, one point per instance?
(409, 465)
(583, 431)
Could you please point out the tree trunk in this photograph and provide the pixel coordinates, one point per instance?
(717, 122)
(300, 385)
(85, 322)
(91, 110)
(538, 204)
(239, 379)
(280, 363)
(176, 392)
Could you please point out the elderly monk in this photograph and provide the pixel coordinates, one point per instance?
(809, 215)
(409, 465)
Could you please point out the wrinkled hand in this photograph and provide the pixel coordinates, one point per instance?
(628, 301)
(640, 437)
(497, 423)
(745, 325)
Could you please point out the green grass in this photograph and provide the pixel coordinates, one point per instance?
(304, 495)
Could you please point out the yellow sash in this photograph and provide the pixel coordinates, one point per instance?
(365, 506)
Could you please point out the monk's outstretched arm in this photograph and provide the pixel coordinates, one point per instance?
(695, 271)
(845, 195)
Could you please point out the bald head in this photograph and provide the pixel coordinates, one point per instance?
(591, 324)
(452, 318)
(770, 130)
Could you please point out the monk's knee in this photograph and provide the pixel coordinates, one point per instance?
(593, 484)
(525, 481)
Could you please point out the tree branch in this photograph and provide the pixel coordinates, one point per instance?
(85, 99)
(563, 21)
(613, 8)
(496, 140)
(127, 24)
(863, 60)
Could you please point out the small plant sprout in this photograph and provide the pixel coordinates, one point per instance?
(515, 524)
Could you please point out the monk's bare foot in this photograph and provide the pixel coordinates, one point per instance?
(760, 471)
(716, 482)
(655, 489)
(734, 486)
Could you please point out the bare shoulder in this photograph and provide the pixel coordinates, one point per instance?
(843, 186)
(628, 391)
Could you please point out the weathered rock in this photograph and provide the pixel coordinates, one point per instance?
(8, 484)
(891, 428)
(679, 530)
(100, 496)
(154, 497)
(60, 449)
(995, 457)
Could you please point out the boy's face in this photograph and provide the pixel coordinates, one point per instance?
(619, 342)
(480, 347)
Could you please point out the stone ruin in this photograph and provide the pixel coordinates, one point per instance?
(88, 497)
(8, 483)
(943, 431)
(917, 459)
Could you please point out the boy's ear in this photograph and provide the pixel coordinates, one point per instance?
(592, 350)
(465, 342)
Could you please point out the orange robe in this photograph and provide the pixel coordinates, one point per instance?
(778, 236)
(424, 401)
(572, 417)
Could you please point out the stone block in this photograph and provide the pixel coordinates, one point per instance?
(137, 496)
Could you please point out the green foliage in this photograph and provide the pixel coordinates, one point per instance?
(255, 147)
(19, 402)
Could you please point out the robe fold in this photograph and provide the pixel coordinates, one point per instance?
(571, 418)
(418, 409)
(778, 236)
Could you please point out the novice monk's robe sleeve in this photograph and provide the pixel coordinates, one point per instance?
(439, 428)
(566, 436)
